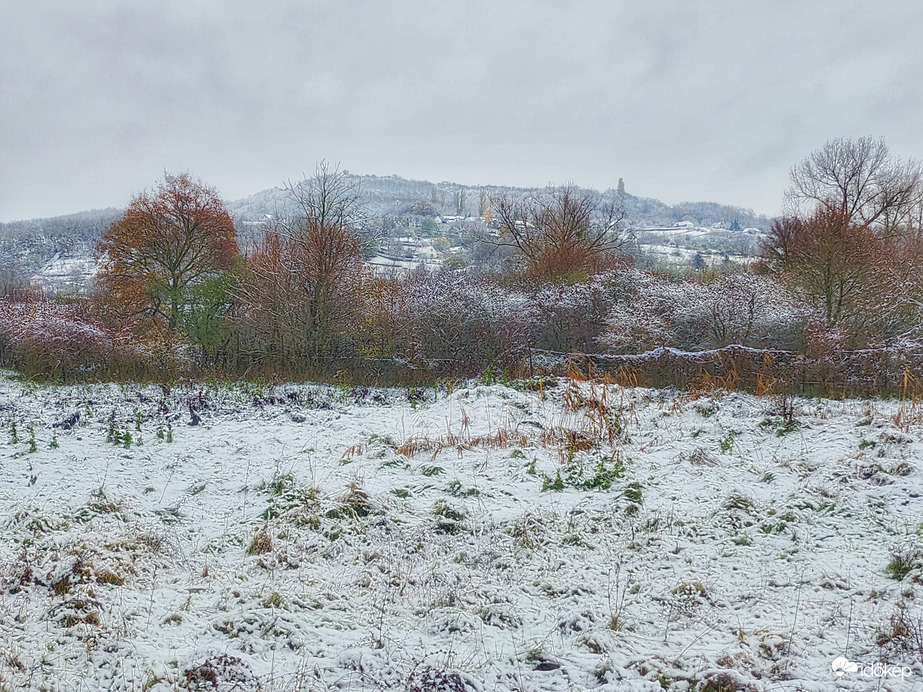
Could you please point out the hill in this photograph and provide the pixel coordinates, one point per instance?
(391, 195)
(57, 252)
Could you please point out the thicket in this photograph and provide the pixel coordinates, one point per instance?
(832, 307)
(736, 331)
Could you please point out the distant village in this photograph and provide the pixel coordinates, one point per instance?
(425, 246)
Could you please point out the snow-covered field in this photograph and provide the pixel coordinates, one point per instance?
(489, 538)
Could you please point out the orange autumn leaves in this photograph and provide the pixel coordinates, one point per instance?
(167, 241)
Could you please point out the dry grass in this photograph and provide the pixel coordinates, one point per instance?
(910, 413)
(903, 633)
(502, 438)
(706, 384)
(623, 377)
(262, 541)
(601, 414)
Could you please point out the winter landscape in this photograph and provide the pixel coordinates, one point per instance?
(396, 347)
(553, 463)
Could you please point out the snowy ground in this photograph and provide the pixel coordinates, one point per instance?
(488, 538)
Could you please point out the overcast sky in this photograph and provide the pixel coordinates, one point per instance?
(686, 101)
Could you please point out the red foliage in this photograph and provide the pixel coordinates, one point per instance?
(165, 242)
(300, 294)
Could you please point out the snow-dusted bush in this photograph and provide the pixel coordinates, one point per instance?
(569, 317)
(56, 340)
(446, 321)
(743, 309)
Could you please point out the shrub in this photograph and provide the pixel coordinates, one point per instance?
(568, 317)
(446, 322)
(59, 341)
(742, 309)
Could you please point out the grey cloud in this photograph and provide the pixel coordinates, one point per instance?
(684, 100)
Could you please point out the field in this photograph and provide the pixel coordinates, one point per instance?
(551, 535)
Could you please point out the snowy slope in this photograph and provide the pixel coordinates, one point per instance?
(488, 538)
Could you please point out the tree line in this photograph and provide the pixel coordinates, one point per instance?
(175, 295)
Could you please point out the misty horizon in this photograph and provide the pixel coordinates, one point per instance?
(684, 102)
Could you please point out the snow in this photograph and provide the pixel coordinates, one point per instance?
(669, 254)
(63, 273)
(317, 538)
(387, 266)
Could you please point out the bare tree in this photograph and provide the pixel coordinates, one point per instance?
(850, 245)
(329, 200)
(300, 294)
(835, 263)
(13, 277)
(861, 180)
(561, 232)
(460, 198)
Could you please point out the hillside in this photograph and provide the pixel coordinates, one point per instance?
(391, 195)
(56, 253)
